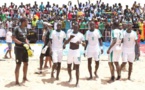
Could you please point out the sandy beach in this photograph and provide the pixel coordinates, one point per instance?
(43, 82)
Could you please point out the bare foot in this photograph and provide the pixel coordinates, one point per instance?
(77, 86)
(96, 76)
(46, 67)
(118, 78)
(90, 78)
(52, 76)
(25, 79)
(17, 84)
(70, 80)
(57, 78)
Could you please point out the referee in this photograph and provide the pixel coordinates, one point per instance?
(19, 37)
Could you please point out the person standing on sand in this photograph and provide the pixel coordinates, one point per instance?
(19, 37)
(129, 41)
(115, 51)
(75, 38)
(9, 42)
(46, 50)
(57, 38)
(93, 47)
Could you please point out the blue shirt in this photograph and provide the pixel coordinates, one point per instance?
(40, 24)
(67, 24)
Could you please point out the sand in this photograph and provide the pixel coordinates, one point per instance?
(44, 82)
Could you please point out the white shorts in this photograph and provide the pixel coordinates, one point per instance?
(114, 56)
(74, 57)
(57, 56)
(128, 57)
(95, 55)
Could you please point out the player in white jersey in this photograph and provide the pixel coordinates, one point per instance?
(115, 50)
(93, 44)
(75, 38)
(129, 42)
(57, 38)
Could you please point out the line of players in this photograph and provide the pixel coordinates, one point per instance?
(122, 43)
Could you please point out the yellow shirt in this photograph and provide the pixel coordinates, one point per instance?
(34, 23)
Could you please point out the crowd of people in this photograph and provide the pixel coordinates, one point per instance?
(88, 24)
(103, 14)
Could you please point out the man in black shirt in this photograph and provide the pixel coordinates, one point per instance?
(19, 37)
(46, 51)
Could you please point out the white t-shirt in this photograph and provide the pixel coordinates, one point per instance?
(9, 24)
(57, 39)
(118, 35)
(2, 33)
(9, 37)
(129, 41)
(93, 38)
(21, 10)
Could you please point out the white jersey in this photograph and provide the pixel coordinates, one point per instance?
(93, 39)
(118, 35)
(129, 41)
(57, 39)
(77, 37)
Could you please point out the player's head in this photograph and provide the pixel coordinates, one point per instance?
(59, 26)
(23, 22)
(76, 26)
(129, 26)
(92, 25)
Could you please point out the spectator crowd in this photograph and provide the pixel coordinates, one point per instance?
(102, 13)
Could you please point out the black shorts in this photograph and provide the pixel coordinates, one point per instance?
(48, 52)
(21, 54)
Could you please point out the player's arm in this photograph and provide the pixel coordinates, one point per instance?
(101, 45)
(15, 39)
(137, 44)
(112, 44)
(68, 40)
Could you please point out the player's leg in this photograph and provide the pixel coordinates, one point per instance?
(130, 60)
(18, 55)
(97, 58)
(90, 68)
(111, 66)
(69, 72)
(60, 56)
(124, 59)
(25, 67)
(77, 74)
(55, 62)
(69, 64)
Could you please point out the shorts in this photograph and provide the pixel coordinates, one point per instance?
(74, 57)
(48, 52)
(21, 54)
(128, 57)
(114, 56)
(57, 56)
(9, 46)
(95, 55)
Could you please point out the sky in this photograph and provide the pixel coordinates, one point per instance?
(61, 2)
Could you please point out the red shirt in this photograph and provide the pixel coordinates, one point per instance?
(69, 16)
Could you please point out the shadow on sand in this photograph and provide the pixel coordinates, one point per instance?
(66, 84)
(13, 84)
(51, 80)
